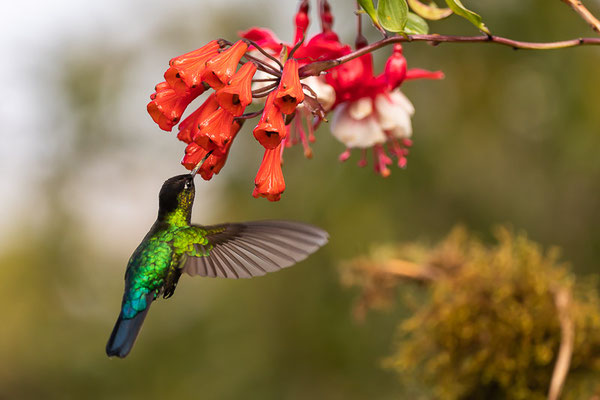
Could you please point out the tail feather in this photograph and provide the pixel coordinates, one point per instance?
(124, 334)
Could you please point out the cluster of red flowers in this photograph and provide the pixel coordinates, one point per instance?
(210, 130)
(368, 112)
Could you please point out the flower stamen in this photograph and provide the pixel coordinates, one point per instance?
(263, 51)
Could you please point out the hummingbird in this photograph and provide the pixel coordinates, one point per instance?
(174, 246)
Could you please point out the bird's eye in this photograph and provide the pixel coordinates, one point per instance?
(188, 184)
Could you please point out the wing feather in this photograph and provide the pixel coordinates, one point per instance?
(241, 270)
(223, 260)
(245, 260)
(246, 250)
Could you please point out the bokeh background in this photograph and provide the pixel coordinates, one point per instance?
(508, 137)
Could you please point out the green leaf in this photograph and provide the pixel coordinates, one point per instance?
(369, 8)
(416, 25)
(392, 14)
(431, 11)
(475, 19)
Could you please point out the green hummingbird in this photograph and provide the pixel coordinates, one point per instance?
(174, 245)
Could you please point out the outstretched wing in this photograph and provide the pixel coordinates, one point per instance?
(249, 249)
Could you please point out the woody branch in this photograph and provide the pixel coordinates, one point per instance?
(317, 67)
(584, 13)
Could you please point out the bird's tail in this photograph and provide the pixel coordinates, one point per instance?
(125, 332)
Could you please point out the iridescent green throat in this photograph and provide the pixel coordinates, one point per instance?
(181, 216)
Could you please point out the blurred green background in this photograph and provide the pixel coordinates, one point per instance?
(508, 137)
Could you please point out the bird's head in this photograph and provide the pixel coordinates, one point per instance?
(177, 193)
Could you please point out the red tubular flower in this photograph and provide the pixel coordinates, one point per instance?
(214, 163)
(237, 94)
(269, 181)
(323, 46)
(167, 106)
(193, 155)
(174, 80)
(188, 128)
(289, 93)
(190, 66)
(395, 68)
(215, 130)
(220, 68)
(271, 128)
(301, 20)
(326, 16)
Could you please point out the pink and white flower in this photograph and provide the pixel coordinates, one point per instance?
(371, 112)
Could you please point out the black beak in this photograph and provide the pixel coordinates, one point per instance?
(197, 167)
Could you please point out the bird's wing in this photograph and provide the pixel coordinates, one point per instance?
(245, 250)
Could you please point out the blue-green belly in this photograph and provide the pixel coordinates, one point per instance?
(148, 269)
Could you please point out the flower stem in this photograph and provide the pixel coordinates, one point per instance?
(249, 115)
(265, 89)
(263, 66)
(584, 13)
(317, 67)
(265, 80)
(269, 56)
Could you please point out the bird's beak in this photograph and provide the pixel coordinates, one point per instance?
(195, 170)
(197, 167)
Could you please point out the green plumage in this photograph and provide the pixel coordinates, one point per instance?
(160, 255)
(173, 246)
(152, 262)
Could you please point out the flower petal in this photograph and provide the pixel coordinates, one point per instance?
(221, 67)
(188, 128)
(356, 133)
(289, 93)
(361, 108)
(325, 93)
(323, 46)
(393, 112)
(417, 73)
(270, 130)
(213, 164)
(354, 80)
(167, 106)
(236, 95)
(263, 37)
(215, 131)
(189, 67)
(269, 180)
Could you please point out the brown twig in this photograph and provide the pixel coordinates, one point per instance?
(317, 67)
(262, 65)
(264, 90)
(409, 270)
(584, 13)
(265, 80)
(296, 47)
(562, 300)
(249, 115)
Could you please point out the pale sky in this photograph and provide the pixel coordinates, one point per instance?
(32, 34)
